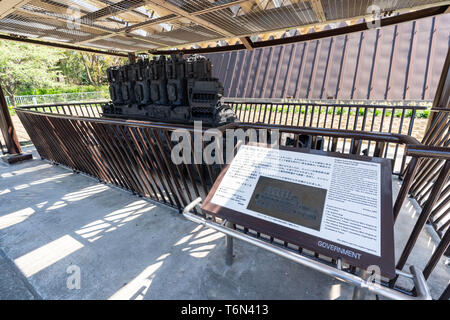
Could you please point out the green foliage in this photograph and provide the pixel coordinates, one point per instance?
(24, 66)
(424, 114)
(34, 70)
(63, 89)
(12, 111)
(86, 68)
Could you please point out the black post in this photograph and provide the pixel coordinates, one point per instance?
(9, 134)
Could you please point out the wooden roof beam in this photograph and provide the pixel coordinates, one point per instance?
(263, 4)
(125, 15)
(108, 11)
(248, 6)
(318, 9)
(9, 6)
(135, 12)
(152, 22)
(223, 5)
(122, 33)
(174, 9)
(61, 45)
(74, 21)
(119, 7)
(127, 31)
(247, 43)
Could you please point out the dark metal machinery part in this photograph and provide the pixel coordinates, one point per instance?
(174, 90)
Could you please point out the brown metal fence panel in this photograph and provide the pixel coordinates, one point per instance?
(396, 62)
(422, 188)
(435, 203)
(347, 116)
(135, 156)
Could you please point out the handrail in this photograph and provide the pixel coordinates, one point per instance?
(420, 150)
(57, 104)
(131, 123)
(341, 133)
(422, 289)
(440, 110)
(290, 103)
(363, 135)
(256, 101)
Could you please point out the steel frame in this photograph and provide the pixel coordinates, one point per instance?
(335, 271)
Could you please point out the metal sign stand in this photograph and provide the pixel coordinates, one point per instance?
(9, 134)
(362, 284)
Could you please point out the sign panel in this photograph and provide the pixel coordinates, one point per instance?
(335, 204)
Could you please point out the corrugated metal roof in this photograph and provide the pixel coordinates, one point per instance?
(140, 25)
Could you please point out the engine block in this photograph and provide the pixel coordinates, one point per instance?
(174, 90)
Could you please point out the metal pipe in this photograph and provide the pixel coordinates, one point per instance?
(358, 292)
(229, 244)
(423, 292)
(62, 46)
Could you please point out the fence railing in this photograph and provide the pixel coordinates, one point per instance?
(398, 119)
(313, 114)
(135, 156)
(57, 98)
(80, 109)
(364, 117)
(385, 118)
(430, 169)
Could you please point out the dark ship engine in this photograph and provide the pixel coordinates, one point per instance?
(174, 90)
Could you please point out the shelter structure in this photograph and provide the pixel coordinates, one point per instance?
(115, 151)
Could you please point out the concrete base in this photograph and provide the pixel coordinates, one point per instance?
(14, 158)
(71, 237)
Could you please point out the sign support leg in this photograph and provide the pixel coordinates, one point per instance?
(358, 292)
(423, 292)
(229, 245)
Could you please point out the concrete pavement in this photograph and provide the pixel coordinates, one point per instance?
(66, 236)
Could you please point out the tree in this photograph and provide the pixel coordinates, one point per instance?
(24, 66)
(86, 68)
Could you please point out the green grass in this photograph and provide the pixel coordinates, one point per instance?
(423, 114)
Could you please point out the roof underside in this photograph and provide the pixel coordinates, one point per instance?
(143, 25)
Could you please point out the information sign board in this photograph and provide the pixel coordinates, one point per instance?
(335, 204)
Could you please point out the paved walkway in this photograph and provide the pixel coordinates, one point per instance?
(55, 224)
(66, 236)
(13, 285)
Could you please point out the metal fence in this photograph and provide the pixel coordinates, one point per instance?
(134, 155)
(387, 118)
(57, 98)
(431, 171)
(382, 118)
(436, 204)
